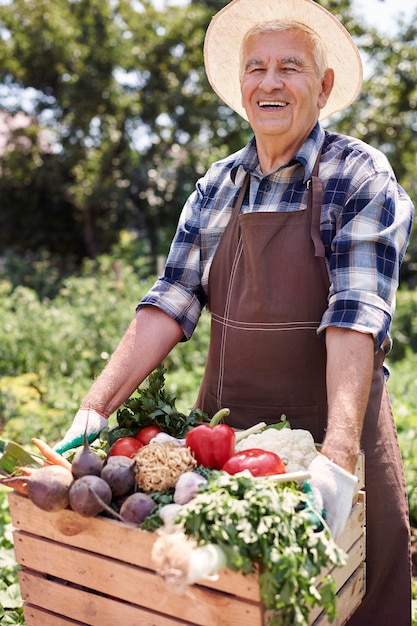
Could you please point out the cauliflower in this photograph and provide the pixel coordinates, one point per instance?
(295, 446)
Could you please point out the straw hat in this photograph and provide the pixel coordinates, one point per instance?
(228, 27)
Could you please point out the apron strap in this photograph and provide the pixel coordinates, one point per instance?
(315, 187)
(242, 193)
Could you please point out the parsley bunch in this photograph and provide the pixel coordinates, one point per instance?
(153, 404)
(268, 528)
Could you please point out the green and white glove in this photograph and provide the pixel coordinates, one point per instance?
(333, 489)
(87, 422)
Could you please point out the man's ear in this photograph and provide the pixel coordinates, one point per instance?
(326, 87)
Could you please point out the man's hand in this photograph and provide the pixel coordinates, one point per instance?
(87, 422)
(333, 489)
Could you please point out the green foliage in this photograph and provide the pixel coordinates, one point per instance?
(11, 611)
(280, 535)
(153, 404)
(114, 136)
(403, 393)
(110, 136)
(404, 327)
(54, 346)
(414, 604)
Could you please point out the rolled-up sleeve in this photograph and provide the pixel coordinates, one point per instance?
(367, 236)
(178, 291)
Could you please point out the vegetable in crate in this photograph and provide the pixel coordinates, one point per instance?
(49, 487)
(13, 457)
(187, 487)
(295, 446)
(147, 433)
(125, 446)
(119, 474)
(254, 524)
(90, 495)
(212, 444)
(136, 508)
(158, 466)
(255, 460)
(154, 406)
(86, 461)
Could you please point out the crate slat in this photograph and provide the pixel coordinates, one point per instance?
(110, 538)
(349, 598)
(34, 616)
(83, 608)
(107, 576)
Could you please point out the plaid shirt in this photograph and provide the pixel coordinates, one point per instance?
(366, 221)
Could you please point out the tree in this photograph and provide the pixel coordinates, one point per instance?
(385, 114)
(121, 87)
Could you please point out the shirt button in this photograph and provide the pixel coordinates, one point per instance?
(267, 186)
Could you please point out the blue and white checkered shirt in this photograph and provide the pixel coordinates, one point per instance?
(366, 222)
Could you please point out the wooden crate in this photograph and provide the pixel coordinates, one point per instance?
(99, 572)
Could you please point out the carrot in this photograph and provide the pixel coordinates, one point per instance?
(27, 471)
(49, 453)
(18, 483)
(42, 462)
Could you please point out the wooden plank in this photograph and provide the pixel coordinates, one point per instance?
(97, 534)
(124, 542)
(355, 525)
(356, 556)
(343, 575)
(350, 597)
(84, 608)
(110, 577)
(111, 538)
(35, 616)
(360, 471)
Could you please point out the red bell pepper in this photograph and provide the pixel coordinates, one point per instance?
(212, 444)
(258, 462)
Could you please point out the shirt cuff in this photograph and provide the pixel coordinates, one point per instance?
(361, 317)
(176, 302)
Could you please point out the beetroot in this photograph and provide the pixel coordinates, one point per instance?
(48, 487)
(136, 508)
(86, 462)
(89, 496)
(119, 474)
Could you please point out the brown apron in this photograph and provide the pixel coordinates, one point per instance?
(269, 267)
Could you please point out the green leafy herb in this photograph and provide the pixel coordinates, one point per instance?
(268, 528)
(153, 404)
(13, 457)
(283, 423)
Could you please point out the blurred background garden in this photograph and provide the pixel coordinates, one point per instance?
(106, 123)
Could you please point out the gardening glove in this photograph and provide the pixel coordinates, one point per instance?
(88, 422)
(333, 489)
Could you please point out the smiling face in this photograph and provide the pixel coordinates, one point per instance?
(282, 89)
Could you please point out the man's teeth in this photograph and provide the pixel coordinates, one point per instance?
(272, 104)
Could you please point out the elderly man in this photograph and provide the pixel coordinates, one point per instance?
(294, 243)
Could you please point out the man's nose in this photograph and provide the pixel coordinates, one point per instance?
(271, 80)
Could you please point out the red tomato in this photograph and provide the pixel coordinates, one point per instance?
(258, 462)
(125, 446)
(147, 433)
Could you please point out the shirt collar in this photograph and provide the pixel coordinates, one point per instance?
(247, 159)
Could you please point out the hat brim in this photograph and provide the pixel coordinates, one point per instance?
(229, 26)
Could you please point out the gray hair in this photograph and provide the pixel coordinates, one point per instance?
(319, 47)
